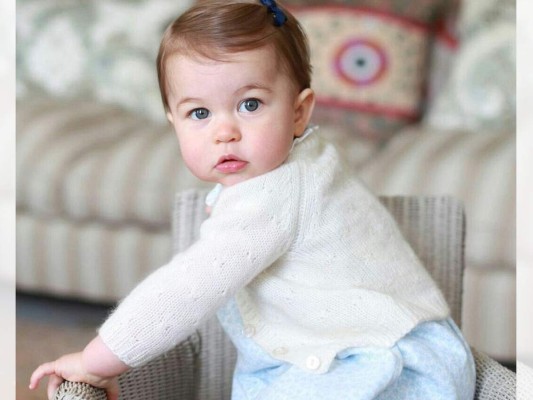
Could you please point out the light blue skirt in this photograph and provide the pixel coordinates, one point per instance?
(432, 362)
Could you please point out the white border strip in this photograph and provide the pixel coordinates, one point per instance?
(7, 198)
(524, 182)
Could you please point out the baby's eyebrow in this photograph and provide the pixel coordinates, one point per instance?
(188, 100)
(252, 87)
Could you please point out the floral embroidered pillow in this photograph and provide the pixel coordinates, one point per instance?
(103, 49)
(480, 94)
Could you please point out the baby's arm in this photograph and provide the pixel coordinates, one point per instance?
(252, 225)
(95, 365)
(245, 236)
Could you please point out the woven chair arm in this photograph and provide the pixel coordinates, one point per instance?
(493, 380)
(79, 391)
(170, 376)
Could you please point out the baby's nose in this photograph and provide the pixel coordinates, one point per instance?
(227, 131)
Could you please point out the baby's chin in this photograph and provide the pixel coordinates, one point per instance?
(231, 179)
(235, 179)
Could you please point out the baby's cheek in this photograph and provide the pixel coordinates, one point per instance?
(274, 155)
(192, 158)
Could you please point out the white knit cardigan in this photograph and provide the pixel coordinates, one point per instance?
(315, 263)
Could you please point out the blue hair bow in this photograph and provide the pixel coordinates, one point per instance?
(279, 16)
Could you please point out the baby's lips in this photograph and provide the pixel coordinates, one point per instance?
(231, 166)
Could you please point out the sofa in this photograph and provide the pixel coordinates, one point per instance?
(98, 166)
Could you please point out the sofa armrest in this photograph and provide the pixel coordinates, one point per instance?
(493, 381)
(170, 376)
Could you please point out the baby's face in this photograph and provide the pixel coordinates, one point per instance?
(234, 120)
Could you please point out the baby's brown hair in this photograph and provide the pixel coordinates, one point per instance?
(215, 28)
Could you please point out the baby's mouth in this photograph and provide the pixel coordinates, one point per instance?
(230, 164)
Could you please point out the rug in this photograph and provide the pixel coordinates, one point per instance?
(46, 330)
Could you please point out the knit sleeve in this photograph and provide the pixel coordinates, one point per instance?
(250, 227)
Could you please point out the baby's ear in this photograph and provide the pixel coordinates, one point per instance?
(170, 117)
(303, 108)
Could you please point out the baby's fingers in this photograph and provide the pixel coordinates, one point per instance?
(112, 390)
(53, 384)
(41, 371)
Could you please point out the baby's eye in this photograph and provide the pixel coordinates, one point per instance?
(199, 113)
(249, 105)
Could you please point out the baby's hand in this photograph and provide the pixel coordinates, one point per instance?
(70, 367)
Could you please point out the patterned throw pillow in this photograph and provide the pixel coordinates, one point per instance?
(370, 60)
(481, 92)
(103, 49)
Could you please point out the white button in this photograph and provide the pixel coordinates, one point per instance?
(312, 362)
(279, 351)
(248, 330)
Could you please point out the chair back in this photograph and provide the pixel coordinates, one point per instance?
(435, 229)
(434, 226)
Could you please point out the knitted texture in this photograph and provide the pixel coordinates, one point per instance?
(315, 261)
(493, 381)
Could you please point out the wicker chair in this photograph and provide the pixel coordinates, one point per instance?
(201, 367)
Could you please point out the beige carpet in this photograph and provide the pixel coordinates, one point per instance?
(47, 329)
(38, 342)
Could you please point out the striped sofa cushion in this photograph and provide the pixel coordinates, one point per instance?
(477, 168)
(90, 161)
(86, 260)
(489, 310)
